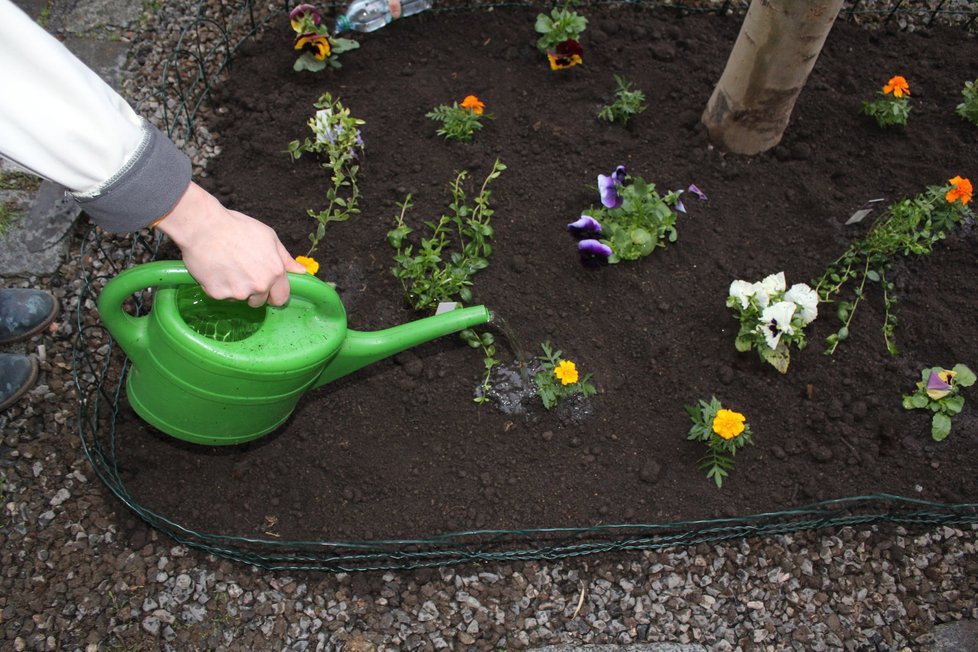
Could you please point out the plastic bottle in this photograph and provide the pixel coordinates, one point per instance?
(370, 15)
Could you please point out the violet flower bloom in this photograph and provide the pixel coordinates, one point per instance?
(608, 187)
(585, 227)
(593, 252)
(300, 12)
(680, 206)
(696, 191)
(939, 384)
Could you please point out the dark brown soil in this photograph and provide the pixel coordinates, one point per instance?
(400, 449)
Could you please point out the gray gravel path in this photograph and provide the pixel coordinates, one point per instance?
(79, 572)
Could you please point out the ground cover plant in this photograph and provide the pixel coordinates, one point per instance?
(401, 448)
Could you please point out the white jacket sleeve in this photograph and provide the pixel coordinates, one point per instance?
(61, 121)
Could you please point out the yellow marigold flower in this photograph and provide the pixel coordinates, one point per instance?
(961, 190)
(473, 104)
(309, 263)
(898, 86)
(728, 424)
(566, 372)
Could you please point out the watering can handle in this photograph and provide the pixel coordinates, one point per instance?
(129, 331)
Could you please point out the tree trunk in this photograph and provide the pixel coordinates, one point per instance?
(775, 52)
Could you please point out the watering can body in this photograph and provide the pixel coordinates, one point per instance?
(220, 372)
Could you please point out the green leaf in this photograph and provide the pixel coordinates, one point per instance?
(964, 376)
(778, 358)
(919, 401)
(940, 427)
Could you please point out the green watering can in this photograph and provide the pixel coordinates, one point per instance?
(221, 372)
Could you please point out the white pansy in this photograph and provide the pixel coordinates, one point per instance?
(775, 321)
(742, 291)
(767, 289)
(806, 299)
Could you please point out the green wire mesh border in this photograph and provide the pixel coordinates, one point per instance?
(99, 372)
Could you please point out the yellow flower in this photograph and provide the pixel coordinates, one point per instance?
(309, 263)
(898, 86)
(566, 372)
(728, 424)
(961, 190)
(473, 104)
(315, 43)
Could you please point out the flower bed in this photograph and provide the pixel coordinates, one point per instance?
(401, 448)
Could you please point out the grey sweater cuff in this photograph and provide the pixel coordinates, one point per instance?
(147, 188)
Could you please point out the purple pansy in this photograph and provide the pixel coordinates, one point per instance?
(693, 188)
(608, 187)
(301, 11)
(585, 227)
(939, 384)
(593, 252)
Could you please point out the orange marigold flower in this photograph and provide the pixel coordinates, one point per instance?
(960, 190)
(566, 372)
(728, 424)
(897, 86)
(473, 104)
(311, 265)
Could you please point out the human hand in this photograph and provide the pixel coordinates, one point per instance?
(231, 255)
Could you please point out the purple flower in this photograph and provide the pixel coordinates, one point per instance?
(303, 10)
(585, 227)
(696, 191)
(939, 383)
(608, 187)
(593, 253)
(680, 207)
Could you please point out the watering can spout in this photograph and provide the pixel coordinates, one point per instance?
(360, 349)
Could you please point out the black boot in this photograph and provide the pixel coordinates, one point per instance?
(17, 375)
(24, 312)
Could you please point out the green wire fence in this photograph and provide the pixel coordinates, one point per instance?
(203, 53)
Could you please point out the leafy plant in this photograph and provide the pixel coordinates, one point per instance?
(560, 36)
(439, 270)
(772, 317)
(8, 215)
(968, 109)
(909, 226)
(312, 39)
(939, 391)
(559, 379)
(436, 269)
(627, 104)
(723, 431)
(459, 121)
(633, 220)
(562, 24)
(339, 142)
(892, 106)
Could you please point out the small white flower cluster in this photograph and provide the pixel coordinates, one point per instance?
(770, 312)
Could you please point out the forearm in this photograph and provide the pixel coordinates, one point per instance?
(61, 121)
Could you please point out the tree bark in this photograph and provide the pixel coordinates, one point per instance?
(777, 47)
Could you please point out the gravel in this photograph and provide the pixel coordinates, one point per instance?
(80, 572)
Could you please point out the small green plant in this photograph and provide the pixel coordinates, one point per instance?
(633, 219)
(313, 40)
(909, 226)
(938, 390)
(969, 108)
(628, 103)
(772, 317)
(338, 141)
(892, 105)
(460, 121)
(439, 270)
(723, 431)
(560, 35)
(559, 379)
